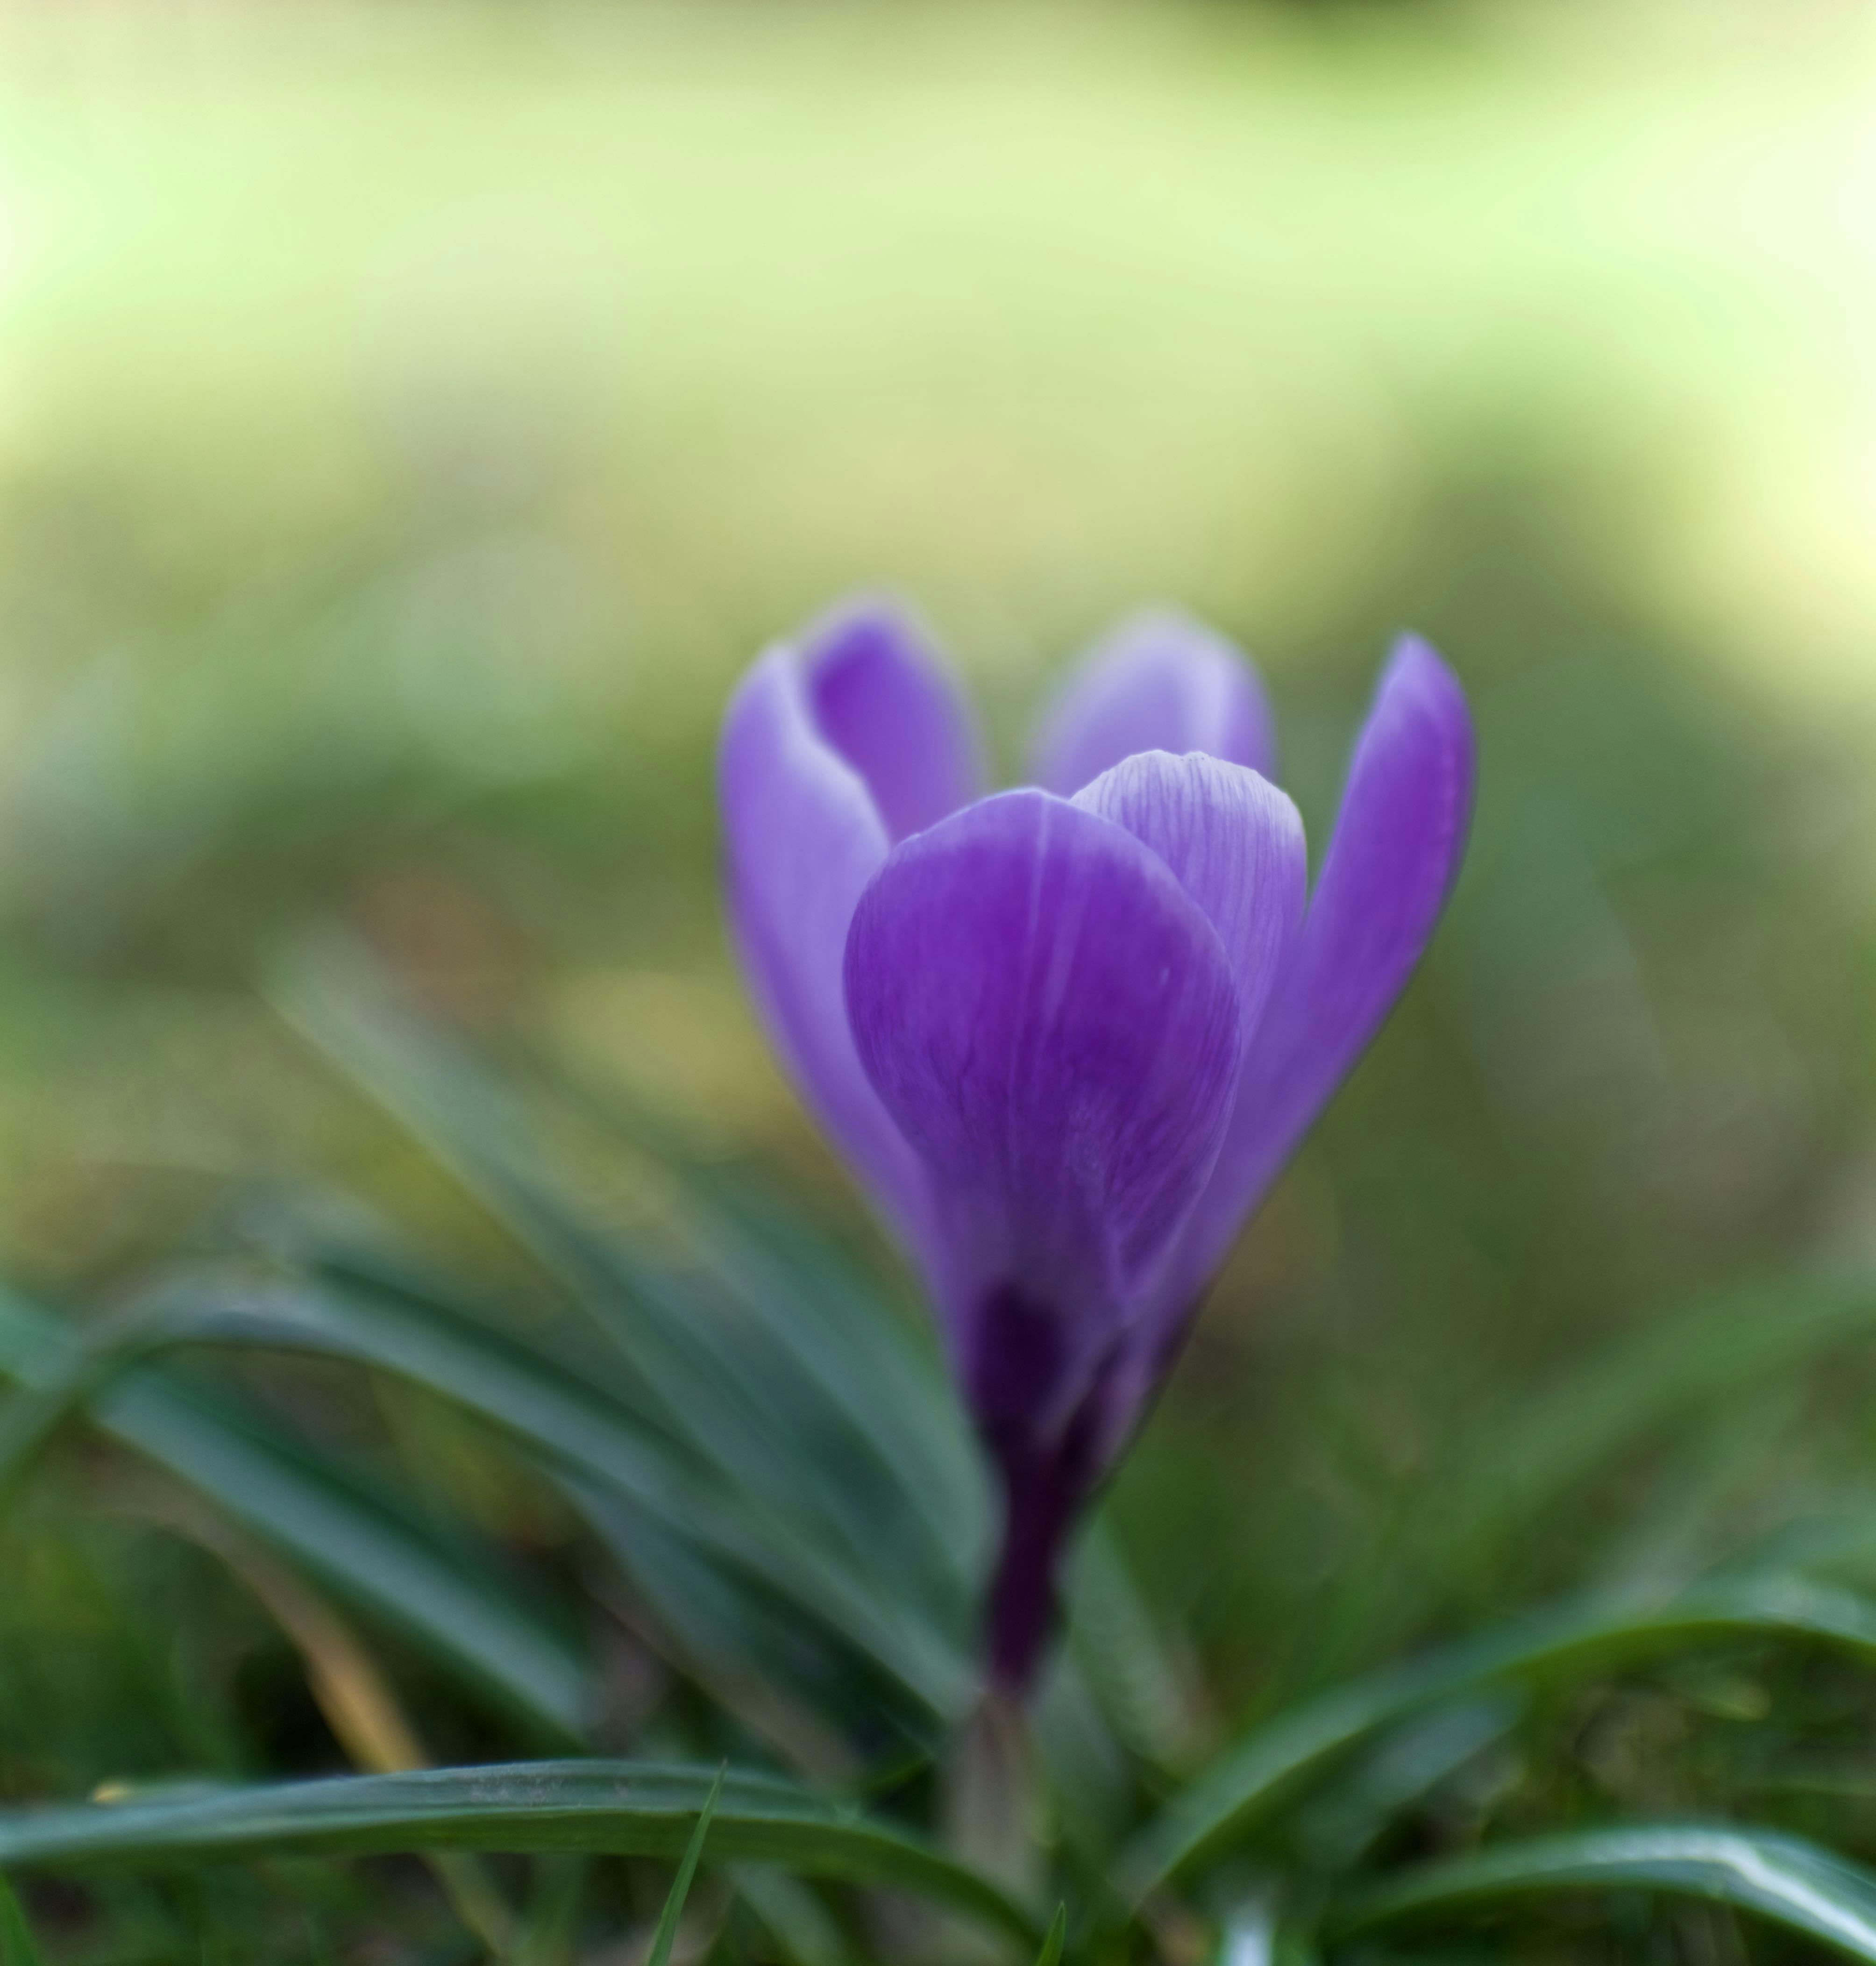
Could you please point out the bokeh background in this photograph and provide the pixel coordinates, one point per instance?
(414, 416)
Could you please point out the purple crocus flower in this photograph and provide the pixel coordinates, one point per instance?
(1067, 1035)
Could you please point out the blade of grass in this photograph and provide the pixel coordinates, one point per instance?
(834, 1323)
(1337, 1827)
(811, 1341)
(665, 1936)
(17, 1945)
(356, 1702)
(1227, 1805)
(751, 1414)
(1793, 1884)
(1146, 1690)
(786, 1681)
(1498, 1479)
(1677, 1364)
(1056, 1937)
(627, 1808)
(572, 1426)
(802, 1929)
(556, 1902)
(34, 1417)
(687, 1548)
(726, 1383)
(450, 1603)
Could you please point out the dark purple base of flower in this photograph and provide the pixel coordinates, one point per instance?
(1046, 1476)
(1044, 1492)
(1023, 1597)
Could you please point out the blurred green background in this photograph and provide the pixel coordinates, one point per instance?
(412, 419)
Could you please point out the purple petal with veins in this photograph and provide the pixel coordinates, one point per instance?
(828, 753)
(1068, 1043)
(1395, 851)
(1053, 1023)
(1232, 841)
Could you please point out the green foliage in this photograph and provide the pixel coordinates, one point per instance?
(1778, 1878)
(1225, 1806)
(443, 1593)
(16, 1936)
(710, 1397)
(1055, 1939)
(667, 1932)
(620, 1807)
(424, 416)
(780, 1399)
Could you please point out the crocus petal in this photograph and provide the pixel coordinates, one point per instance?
(1052, 1022)
(1396, 847)
(1235, 843)
(803, 837)
(1161, 681)
(883, 699)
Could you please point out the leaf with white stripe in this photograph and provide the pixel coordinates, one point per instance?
(1782, 1879)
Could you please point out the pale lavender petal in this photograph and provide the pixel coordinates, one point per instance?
(1161, 681)
(1235, 843)
(802, 838)
(1053, 1024)
(1396, 847)
(883, 699)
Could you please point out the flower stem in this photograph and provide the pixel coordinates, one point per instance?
(990, 1800)
(1023, 1599)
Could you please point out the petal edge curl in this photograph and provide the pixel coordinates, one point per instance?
(802, 838)
(1234, 842)
(882, 699)
(1399, 838)
(1159, 681)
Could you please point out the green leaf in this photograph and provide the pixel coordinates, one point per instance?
(32, 1417)
(1837, 1537)
(572, 1425)
(1334, 1828)
(835, 1326)
(741, 1609)
(666, 1933)
(784, 1676)
(792, 1340)
(725, 1368)
(802, 1929)
(17, 1945)
(379, 1561)
(1681, 1363)
(1056, 1938)
(631, 1808)
(1145, 1689)
(728, 1370)
(1790, 1882)
(1227, 1804)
